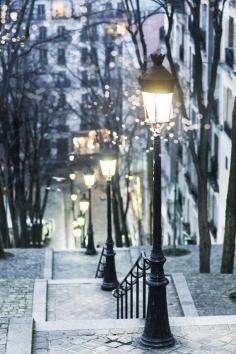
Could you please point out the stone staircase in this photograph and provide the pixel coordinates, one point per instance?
(71, 314)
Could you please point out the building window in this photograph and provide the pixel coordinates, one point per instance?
(61, 58)
(226, 162)
(43, 56)
(84, 55)
(42, 33)
(62, 80)
(58, 9)
(61, 30)
(231, 33)
(84, 78)
(62, 100)
(41, 12)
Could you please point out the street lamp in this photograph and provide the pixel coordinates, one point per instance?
(108, 167)
(72, 176)
(157, 86)
(83, 206)
(89, 179)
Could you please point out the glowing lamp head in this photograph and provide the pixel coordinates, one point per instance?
(89, 178)
(84, 204)
(71, 157)
(108, 163)
(72, 176)
(157, 86)
(74, 197)
(77, 232)
(81, 220)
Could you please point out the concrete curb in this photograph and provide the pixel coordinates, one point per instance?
(48, 263)
(40, 300)
(19, 339)
(74, 325)
(74, 281)
(184, 295)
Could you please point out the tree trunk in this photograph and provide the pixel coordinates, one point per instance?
(205, 240)
(3, 221)
(2, 253)
(116, 217)
(227, 263)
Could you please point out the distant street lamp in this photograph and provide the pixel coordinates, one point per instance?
(157, 86)
(89, 180)
(73, 196)
(108, 167)
(83, 206)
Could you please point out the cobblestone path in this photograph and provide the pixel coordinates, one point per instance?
(210, 293)
(26, 263)
(189, 340)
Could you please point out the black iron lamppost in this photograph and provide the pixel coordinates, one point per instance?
(83, 206)
(73, 195)
(89, 180)
(108, 167)
(157, 86)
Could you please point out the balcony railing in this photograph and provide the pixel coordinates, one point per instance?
(229, 57)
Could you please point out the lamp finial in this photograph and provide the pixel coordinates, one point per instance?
(157, 58)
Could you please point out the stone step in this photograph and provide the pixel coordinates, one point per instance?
(71, 325)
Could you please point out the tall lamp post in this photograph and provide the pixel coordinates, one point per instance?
(157, 86)
(72, 177)
(108, 168)
(89, 180)
(83, 206)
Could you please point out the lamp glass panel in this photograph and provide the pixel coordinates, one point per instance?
(83, 205)
(74, 197)
(72, 176)
(77, 232)
(89, 180)
(80, 221)
(158, 107)
(108, 168)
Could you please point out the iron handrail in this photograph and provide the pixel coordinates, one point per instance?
(100, 268)
(131, 285)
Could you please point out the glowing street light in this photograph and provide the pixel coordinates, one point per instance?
(157, 86)
(108, 167)
(89, 179)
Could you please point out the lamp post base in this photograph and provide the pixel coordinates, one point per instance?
(110, 281)
(90, 246)
(91, 252)
(157, 333)
(157, 343)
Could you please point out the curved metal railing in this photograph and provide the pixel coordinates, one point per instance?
(131, 294)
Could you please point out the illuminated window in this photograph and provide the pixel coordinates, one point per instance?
(58, 9)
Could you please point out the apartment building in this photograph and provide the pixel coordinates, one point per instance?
(182, 186)
(66, 32)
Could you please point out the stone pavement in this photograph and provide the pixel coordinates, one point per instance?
(83, 301)
(27, 263)
(211, 293)
(69, 265)
(212, 339)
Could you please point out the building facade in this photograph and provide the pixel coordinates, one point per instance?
(180, 178)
